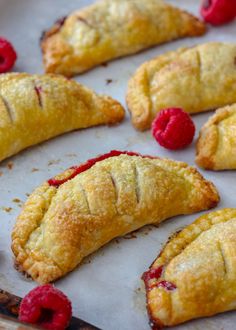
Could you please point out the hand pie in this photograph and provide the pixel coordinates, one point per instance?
(216, 146)
(196, 79)
(35, 108)
(113, 28)
(73, 215)
(195, 274)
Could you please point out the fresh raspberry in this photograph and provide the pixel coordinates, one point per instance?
(7, 55)
(217, 12)
(47, 307)
(173, 128)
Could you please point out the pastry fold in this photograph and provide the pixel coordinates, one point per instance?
(65, 220)
(112, 28)
(35, 108)
(196, 272)
(196, 79)
(216, 145)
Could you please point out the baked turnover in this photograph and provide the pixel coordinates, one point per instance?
(195, 79)
(216, 146)
(113, 28)
(35, 108)
(195, 274)
(74, 214)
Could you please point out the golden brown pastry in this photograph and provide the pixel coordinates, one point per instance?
(216, 145)
(35, 108)
(195, 274)
(69, 217)
(196, 79)
(112, 28)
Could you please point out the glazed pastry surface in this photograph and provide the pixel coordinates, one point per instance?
(196, 79)
(199, 265)
(59, 226)
(112, 28)
(35, 108)
(216, 145)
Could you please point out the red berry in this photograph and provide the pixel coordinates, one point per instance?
(47, 307)
(173, 128)
(7, 55)
(217, 12)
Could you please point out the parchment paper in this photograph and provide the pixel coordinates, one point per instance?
(106, 289)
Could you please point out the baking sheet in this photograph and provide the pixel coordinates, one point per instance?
(106, 289)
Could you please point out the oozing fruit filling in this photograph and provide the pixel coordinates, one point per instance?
(150, 279)
(85, 166)
(152, 274)
(166, 285)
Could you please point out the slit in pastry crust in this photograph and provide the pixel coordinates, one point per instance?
(61, 224)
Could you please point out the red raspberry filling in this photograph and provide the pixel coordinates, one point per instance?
(166, 285)
(217, 12)
(151, 274)
(173, 128)
(47, 307)
(7, 56)
(155, 274)
(84, 167)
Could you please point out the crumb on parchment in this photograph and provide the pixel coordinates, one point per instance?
(34, 169)
(7, 209)
(54, 162)
(10, 165)
(108, 81)
(71, 155)
(16, 200)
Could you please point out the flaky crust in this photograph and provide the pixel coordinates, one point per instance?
(196, 79)
(34, 108)
(58, 227)
(216, 145)
(201, 262)
(112, 28)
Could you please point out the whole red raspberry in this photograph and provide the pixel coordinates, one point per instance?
(47, 307)
(217, 12)
(7, 55)
(173, 128)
